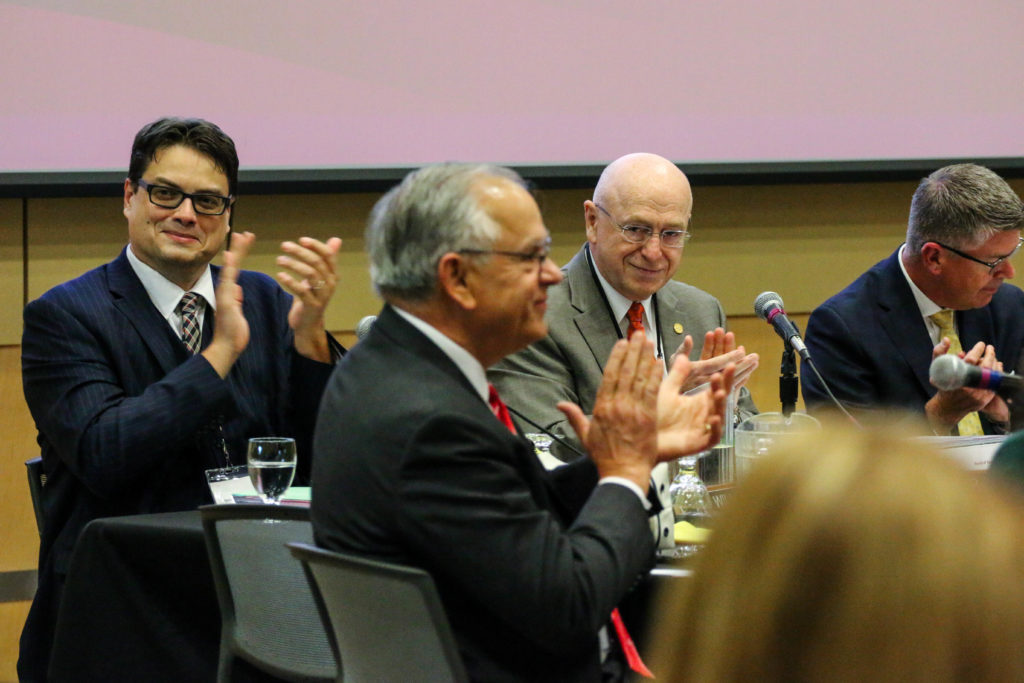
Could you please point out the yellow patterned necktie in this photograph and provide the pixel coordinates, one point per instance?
(970, 425)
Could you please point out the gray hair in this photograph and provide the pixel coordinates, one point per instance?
(962, 205)
(431, 213)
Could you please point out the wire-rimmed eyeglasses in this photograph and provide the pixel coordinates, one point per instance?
(540, 253)
(639, 234)
(991, 265)
(171, 198)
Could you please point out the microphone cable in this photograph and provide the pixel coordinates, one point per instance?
(836, 401)
(560, 439)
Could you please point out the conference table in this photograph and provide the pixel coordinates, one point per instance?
(140, 604)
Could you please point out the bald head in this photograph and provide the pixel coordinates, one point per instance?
(645, 178)
(639, 190)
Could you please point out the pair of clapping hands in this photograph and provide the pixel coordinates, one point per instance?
(642, 417)
(310, 277)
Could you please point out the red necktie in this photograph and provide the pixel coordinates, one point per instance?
(628, 647)
(636, 319)
(499, 408)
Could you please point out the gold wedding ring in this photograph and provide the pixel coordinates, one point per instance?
(318, 284)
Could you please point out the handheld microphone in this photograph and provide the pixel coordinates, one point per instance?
(363, 328)
(950, 372)
(768, 307)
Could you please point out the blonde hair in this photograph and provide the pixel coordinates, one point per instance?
(858, 557)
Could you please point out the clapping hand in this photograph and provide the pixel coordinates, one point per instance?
(310, 277)
(691, 423)
(621, 436)
(230, 328)
(718, 351)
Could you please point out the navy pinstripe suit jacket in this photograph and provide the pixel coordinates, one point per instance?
(128, 420)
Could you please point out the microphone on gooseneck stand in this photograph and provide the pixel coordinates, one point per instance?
(768, 307)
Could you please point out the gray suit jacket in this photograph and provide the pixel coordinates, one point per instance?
(567, 364)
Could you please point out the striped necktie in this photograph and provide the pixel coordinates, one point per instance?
(191, 331)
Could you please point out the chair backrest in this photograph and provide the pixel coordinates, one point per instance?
(36, 482)
(268, 612)
(385, 620)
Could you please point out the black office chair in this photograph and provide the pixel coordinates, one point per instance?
(385, 621)
(36, 482)
(268, 612)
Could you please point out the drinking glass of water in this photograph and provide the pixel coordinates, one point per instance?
(271, 462)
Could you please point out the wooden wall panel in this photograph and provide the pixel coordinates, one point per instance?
(11, 270)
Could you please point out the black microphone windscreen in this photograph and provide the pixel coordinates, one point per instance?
(765, 302)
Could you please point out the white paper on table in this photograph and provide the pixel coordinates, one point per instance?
(225, 490)
(973, 452)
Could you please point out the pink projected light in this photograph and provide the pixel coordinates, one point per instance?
(390, 83)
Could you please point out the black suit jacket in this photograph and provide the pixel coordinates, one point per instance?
(871, 345)
(411, 466)
(128, 420)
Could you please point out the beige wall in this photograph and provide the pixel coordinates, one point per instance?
(803, 241)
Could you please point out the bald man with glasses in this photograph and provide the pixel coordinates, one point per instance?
(620, 282)
(943, 291)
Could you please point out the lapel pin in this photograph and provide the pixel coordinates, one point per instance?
(678, 328)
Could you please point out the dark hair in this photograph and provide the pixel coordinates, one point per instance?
(202, 136)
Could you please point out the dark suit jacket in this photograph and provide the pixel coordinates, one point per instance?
(871, 345)
(568, 364)
(411, 466)
(128, 420)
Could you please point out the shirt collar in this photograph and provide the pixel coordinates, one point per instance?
(166, 295)
(926, 305)
(463, 359)
(620, 304)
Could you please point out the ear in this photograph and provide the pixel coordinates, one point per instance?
(590, 218)
(129, 192)
(932, 257)
(453, 279)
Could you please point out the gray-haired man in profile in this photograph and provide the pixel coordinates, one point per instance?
(417, 461)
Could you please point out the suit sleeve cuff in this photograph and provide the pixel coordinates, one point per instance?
(622, 481)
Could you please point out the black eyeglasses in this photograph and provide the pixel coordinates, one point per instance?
(539, 254)
(639, 234)
(171, 198)
(991, 265)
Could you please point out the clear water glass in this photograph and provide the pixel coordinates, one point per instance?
(759, 435)
(271, 461)
(542, 447)
(691, 501)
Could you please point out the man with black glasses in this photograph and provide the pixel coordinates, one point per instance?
(620, 281)
(146, 372)
(941, 292)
